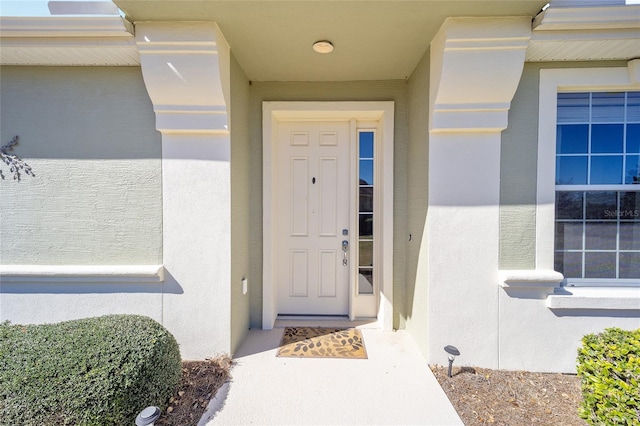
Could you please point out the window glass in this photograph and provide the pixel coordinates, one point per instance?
(365, 281)
(633, 138)
(366, 172)
(633, 107)
(630, 235)
(608, 107)
(606, 170)
(571, 170)
(573, 108)
(600, 235)
(569, 263)
(569, 235)
(607, 138)
(569, 204)
(572, 139)
(630, 265)
(601, 204)
(630, 204)
(632, 172)
(366, 241)
(366, 199)
(366, 145)
(599, 265)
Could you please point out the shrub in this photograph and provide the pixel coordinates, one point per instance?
(94, 371)
(609, 368)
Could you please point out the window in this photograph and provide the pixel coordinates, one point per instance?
(365, 211)
(597, 185)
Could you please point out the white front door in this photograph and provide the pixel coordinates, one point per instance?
(313, 197)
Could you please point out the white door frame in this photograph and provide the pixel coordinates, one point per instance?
(382, 112)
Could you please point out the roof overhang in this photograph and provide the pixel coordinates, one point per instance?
(67, 40)
(586, 34)
(272, 39)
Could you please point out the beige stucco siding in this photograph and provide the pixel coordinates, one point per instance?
(240, 202)
(417, 193)
(394, 90)
(89, 135)
(518, 169)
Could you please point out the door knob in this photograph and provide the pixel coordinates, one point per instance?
(345, 249)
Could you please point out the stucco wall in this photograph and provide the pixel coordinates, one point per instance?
(417, 198)
(396, 91)
(240, 202)
(89, 135)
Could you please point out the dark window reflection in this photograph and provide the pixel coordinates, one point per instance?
(569, 204)
(366, 226)
(366, 199)
(601, 204)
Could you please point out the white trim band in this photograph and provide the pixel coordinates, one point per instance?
(82, 273)
(530, 278)
(613, 298)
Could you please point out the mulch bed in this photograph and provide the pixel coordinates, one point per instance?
(200, 382)
(482, 396)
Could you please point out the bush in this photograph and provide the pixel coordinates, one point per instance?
(94, 371)
(609, 368)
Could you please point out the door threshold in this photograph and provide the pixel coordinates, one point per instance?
(340, 321)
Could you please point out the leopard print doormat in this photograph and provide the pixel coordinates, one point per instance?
(319, 342)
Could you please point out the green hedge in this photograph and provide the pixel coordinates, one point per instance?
(609, 368)
(94, 371)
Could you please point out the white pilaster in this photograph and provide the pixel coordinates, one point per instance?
(186, 69)
(476, 67)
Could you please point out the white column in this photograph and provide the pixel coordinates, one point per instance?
(476, 64)
(186, 70)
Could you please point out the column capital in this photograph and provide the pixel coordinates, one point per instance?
(186, 69)
(476, 65)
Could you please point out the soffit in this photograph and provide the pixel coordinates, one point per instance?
(74, 41)
(374, 40)
(586, 34)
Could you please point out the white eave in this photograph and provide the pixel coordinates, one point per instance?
(586, 34)
(68, 40)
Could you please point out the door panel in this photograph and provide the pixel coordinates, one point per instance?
(312, 193)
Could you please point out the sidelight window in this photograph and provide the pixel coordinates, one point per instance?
(366, 148)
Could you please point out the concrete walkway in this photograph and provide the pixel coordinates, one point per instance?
(394, 386)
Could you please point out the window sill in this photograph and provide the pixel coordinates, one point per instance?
(530, 279)
(81, 273)
(612, 298)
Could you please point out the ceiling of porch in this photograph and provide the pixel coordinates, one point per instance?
(374, 40)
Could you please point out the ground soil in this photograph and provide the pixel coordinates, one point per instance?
(199, 383)
(482, 396)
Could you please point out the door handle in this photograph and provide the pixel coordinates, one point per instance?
(345, 249)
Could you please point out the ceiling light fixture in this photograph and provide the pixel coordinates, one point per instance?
(323, 46)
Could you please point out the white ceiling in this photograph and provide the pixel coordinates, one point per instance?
(374, 40)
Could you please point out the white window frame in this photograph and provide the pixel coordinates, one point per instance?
(553, 81)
